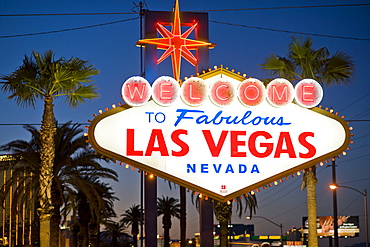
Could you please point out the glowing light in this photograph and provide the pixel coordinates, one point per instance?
(332, 186)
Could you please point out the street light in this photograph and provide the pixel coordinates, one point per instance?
(334, 186)
(281, 226)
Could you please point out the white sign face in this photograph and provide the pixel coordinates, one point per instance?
(221, 152)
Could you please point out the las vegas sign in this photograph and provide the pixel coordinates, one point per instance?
(219, 134)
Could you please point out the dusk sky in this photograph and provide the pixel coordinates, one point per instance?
(251, 30)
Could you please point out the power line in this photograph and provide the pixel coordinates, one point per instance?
(68, 29)
(208, 10)
(65, 14)
(22, 124)
(290, 7)
(219, 22)
(286, 31)
(366, 95)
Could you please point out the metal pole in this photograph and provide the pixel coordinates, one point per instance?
(335, 207)
(142, 172)
(141, 37)
(281, 226)
(281, 235)
(141, 208)
(366, 219)
(334, 186)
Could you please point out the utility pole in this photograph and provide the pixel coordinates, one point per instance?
(335, 206)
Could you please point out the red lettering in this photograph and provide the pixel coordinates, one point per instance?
(130, 149)
(184, 147)
(252, 144)
(165, 90)
(284, 138)
(235, 143)
(156, 135)
(222, 93)
(136, 91)
(251, 92)
(280, 92)
(194, 91)
(311, 149)
(215, 149)
(308, 93)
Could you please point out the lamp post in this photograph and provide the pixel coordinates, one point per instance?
(279, 225)
(334, 186)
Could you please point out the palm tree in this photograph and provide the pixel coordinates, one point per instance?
(43, 77)
(102, 207)
(303, 61)
(114, 231)
(223, 213)
(182, 213)
(93, 203)
(132, 216)
(72, 164)
(169, 207)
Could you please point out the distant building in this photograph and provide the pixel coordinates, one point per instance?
(18, 226)
(240, 230)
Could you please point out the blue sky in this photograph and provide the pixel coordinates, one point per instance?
(111, 48)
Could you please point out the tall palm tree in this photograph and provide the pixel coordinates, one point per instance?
(168, 207)
(72, 164)
(43, 77)
(223, 211)
(182, 213)
(93, 203)
(303, 61)
(114, 231)
(102, 207)
(132, 216)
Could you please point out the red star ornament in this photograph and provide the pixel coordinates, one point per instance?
(176, 44)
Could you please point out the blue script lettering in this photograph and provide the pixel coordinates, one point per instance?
(217, 119)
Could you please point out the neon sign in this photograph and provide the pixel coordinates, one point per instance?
(165, 91)
(176, 44)
(219, 135)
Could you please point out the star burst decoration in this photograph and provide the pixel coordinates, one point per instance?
(176, 44)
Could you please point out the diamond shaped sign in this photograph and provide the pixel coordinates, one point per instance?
(211, 139)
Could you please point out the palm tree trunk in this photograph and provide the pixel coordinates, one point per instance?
(55, 216)
(47, 154)
(94, 234)
(311, 208)
(84, 214)
(166, 237)
(134, 239)
(75, 228)
(84, 232)
(223, 233)
(135, 232)
(223, 212)
(183, 216)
